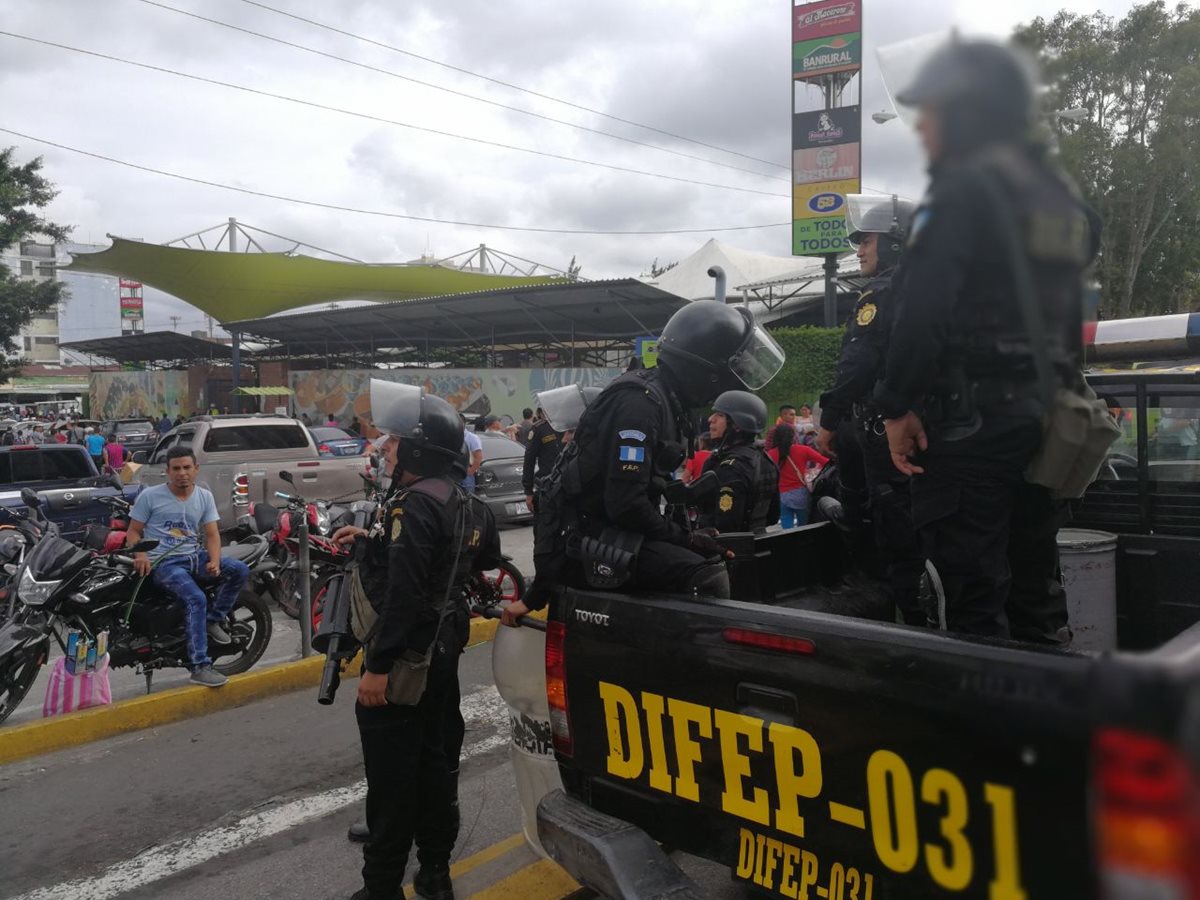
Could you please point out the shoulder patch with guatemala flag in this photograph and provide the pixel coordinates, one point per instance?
(625, 453)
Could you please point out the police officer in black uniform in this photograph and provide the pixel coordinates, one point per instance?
(747, 497)
(878, 230)
(995, 258)
(542, 444)
(430, 537)
(603, 496)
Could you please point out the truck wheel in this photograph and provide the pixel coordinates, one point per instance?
(249, 625)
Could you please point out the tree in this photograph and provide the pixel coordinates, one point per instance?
(24, 192)
(1136, 152)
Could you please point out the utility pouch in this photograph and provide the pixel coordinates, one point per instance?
(609, 560)
(363, 619)
(1076, 435)
(409, 675)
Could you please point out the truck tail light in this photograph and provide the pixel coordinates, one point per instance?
(1147, 798)
(556, 687)
(765, 640)
(241, 490)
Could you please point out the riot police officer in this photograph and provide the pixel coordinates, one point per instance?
(599, 521)
(987, 327)
(430, 536)
(542, 444)
(878, 231)
(747, 497)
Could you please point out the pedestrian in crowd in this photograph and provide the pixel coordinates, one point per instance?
(988, 328)
(77, 432)
(178, 420)
(355, 427)
(433, 536)
(95, 446)
(747, 497)
(331, 421)
(37, 435)
(164, 423)
(493, 424)
(60, 435)
(475, 450)
(695, 463)
(542, 446)
(306, 419)
(793, 461)
(114, 453)
(524, 427)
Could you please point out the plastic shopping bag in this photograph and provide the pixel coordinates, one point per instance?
(69, 692)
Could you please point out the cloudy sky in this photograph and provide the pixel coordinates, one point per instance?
(716, 73)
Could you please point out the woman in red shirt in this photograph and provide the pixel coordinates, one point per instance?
(793, 459)
(695, 463)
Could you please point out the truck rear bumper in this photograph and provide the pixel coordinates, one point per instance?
(607, 854)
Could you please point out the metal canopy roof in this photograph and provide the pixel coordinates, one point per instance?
(152, 346)
(558, 314)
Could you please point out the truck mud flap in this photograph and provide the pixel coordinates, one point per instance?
(608, 855)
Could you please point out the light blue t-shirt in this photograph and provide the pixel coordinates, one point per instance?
(177, 525)
(95, 444)
(473, 442)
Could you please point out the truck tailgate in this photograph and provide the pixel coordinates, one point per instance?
(828, 757)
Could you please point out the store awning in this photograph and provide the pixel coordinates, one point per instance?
(162, 347)
(275, 391)
(234, 286)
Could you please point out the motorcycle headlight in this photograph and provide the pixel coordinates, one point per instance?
(33, 592)
(322, 520)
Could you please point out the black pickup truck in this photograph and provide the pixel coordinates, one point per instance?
(66, 479)
(821, 754)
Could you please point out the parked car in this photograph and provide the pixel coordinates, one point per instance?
(66, 479)
(134, 434)
(336, 442)
(498, 480)
(240, 458)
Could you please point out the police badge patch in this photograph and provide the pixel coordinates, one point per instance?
(725, 504)
(866, 314)
(397, 523)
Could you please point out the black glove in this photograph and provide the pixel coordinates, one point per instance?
(704, 542)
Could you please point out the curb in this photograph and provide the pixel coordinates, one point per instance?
(152, 710)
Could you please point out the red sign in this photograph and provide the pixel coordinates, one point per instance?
(827, 18)
(131, 303)
(130, 284)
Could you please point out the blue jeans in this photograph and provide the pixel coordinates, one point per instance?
(177, 575)
(793, 508)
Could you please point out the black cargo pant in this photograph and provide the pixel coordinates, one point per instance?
(409, 788)
(896, 539)
(991, 536)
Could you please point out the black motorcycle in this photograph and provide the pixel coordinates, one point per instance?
(62, 587)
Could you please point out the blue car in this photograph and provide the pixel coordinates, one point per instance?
(332, 441)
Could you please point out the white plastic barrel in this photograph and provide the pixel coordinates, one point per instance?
(519, 668)
(1089, 568)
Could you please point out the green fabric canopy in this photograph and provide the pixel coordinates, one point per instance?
(235, 286)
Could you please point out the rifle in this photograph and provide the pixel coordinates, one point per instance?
(682, 499)
(335, 638)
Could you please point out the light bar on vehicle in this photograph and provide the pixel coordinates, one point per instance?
(1151, 337)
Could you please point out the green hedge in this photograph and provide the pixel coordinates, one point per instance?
(812, 355)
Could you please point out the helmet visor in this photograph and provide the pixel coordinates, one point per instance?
(563, 407)
(899, 65)
(759, 360)
(395, 408)
(871, 213)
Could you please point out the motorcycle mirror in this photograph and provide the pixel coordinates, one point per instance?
(374, 460)
(30, 498)
(116, 482)
(287, 476)
(143, 546)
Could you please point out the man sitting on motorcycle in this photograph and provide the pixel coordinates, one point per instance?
(177, 514)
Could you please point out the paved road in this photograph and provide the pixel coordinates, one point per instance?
(284, 646)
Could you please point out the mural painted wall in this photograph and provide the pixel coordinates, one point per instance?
(345, 393)
(116, 395)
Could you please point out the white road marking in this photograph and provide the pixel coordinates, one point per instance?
(480, 709)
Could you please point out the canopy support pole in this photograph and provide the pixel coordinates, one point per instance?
(235, 398)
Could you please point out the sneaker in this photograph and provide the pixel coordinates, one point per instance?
(218, 635)
(208, 676)
(433, 884)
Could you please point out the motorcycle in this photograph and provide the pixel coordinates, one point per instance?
(62, 587)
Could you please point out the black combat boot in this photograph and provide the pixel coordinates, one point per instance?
(433, 883)
(359, 833)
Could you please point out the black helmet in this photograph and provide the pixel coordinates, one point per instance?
(869, 214)
(746, 412)
(983, 89)
(429, 429)
(708, 347)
